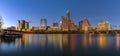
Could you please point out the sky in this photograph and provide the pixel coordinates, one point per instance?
(52, 10)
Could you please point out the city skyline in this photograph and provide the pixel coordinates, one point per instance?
(94, 10)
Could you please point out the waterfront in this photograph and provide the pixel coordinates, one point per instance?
(61, 45)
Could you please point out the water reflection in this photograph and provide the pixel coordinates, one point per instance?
(55, 40)
(60, 44)
(7, 40)
(72, 42)
(103, 41)
(90, 39)
(22, 42)
(87, 40)
(117, 41)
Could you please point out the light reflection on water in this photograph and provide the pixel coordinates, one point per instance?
(61, 44)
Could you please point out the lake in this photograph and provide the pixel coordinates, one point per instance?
(61, 45)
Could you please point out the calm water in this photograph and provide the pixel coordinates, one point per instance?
(61, 45)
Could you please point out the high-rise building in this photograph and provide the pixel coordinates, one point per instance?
(26, 25)
(60, 24)
(19, 25)
(84, 25)
(103, 25)
(68, 18)
(43, 24)
(55, 25)
(64, 23)
(71, 25)
(22, 24)
(68, 14)
(80, 25)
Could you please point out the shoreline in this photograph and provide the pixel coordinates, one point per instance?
(70, 32)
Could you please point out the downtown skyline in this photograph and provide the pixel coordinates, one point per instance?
(94, 10)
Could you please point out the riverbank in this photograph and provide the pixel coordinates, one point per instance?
(74, 32)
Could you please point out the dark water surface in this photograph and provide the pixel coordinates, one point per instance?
(61, 45)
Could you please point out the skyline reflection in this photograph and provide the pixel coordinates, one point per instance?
(61, 43)
(117, 41)
(103, 41)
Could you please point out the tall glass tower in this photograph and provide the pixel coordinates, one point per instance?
(68, 18)
(43, 24)
(68, 14)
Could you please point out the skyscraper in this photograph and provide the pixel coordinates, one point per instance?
(84, 25)
(26, 25)
(22, 24)
(103, 25)
(64, 23)
(43, 24)
(80, 25)
(19, 25)
(68, 14)
(71, 25)
(55, 25)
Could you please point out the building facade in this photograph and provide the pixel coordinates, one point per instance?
(43, 24)
(55, 25)
(64, 23)
(11, 28)
(80, 25)
(26, 25)
(71, 25)
(19, 25)
(35, 28)
(22, 25)
(85, 25)
(68, 14)
(103, 25)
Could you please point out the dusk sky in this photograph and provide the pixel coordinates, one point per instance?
(52, 10)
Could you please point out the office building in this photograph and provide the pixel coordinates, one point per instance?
(64, 23)
(68, 14)
(71, 25)
(26, 25)
(43, 24)
(19, 25)
(22, 25)
(55, 25)
(80, 25)
(103, 25)
(84, 25)
(35, 28)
